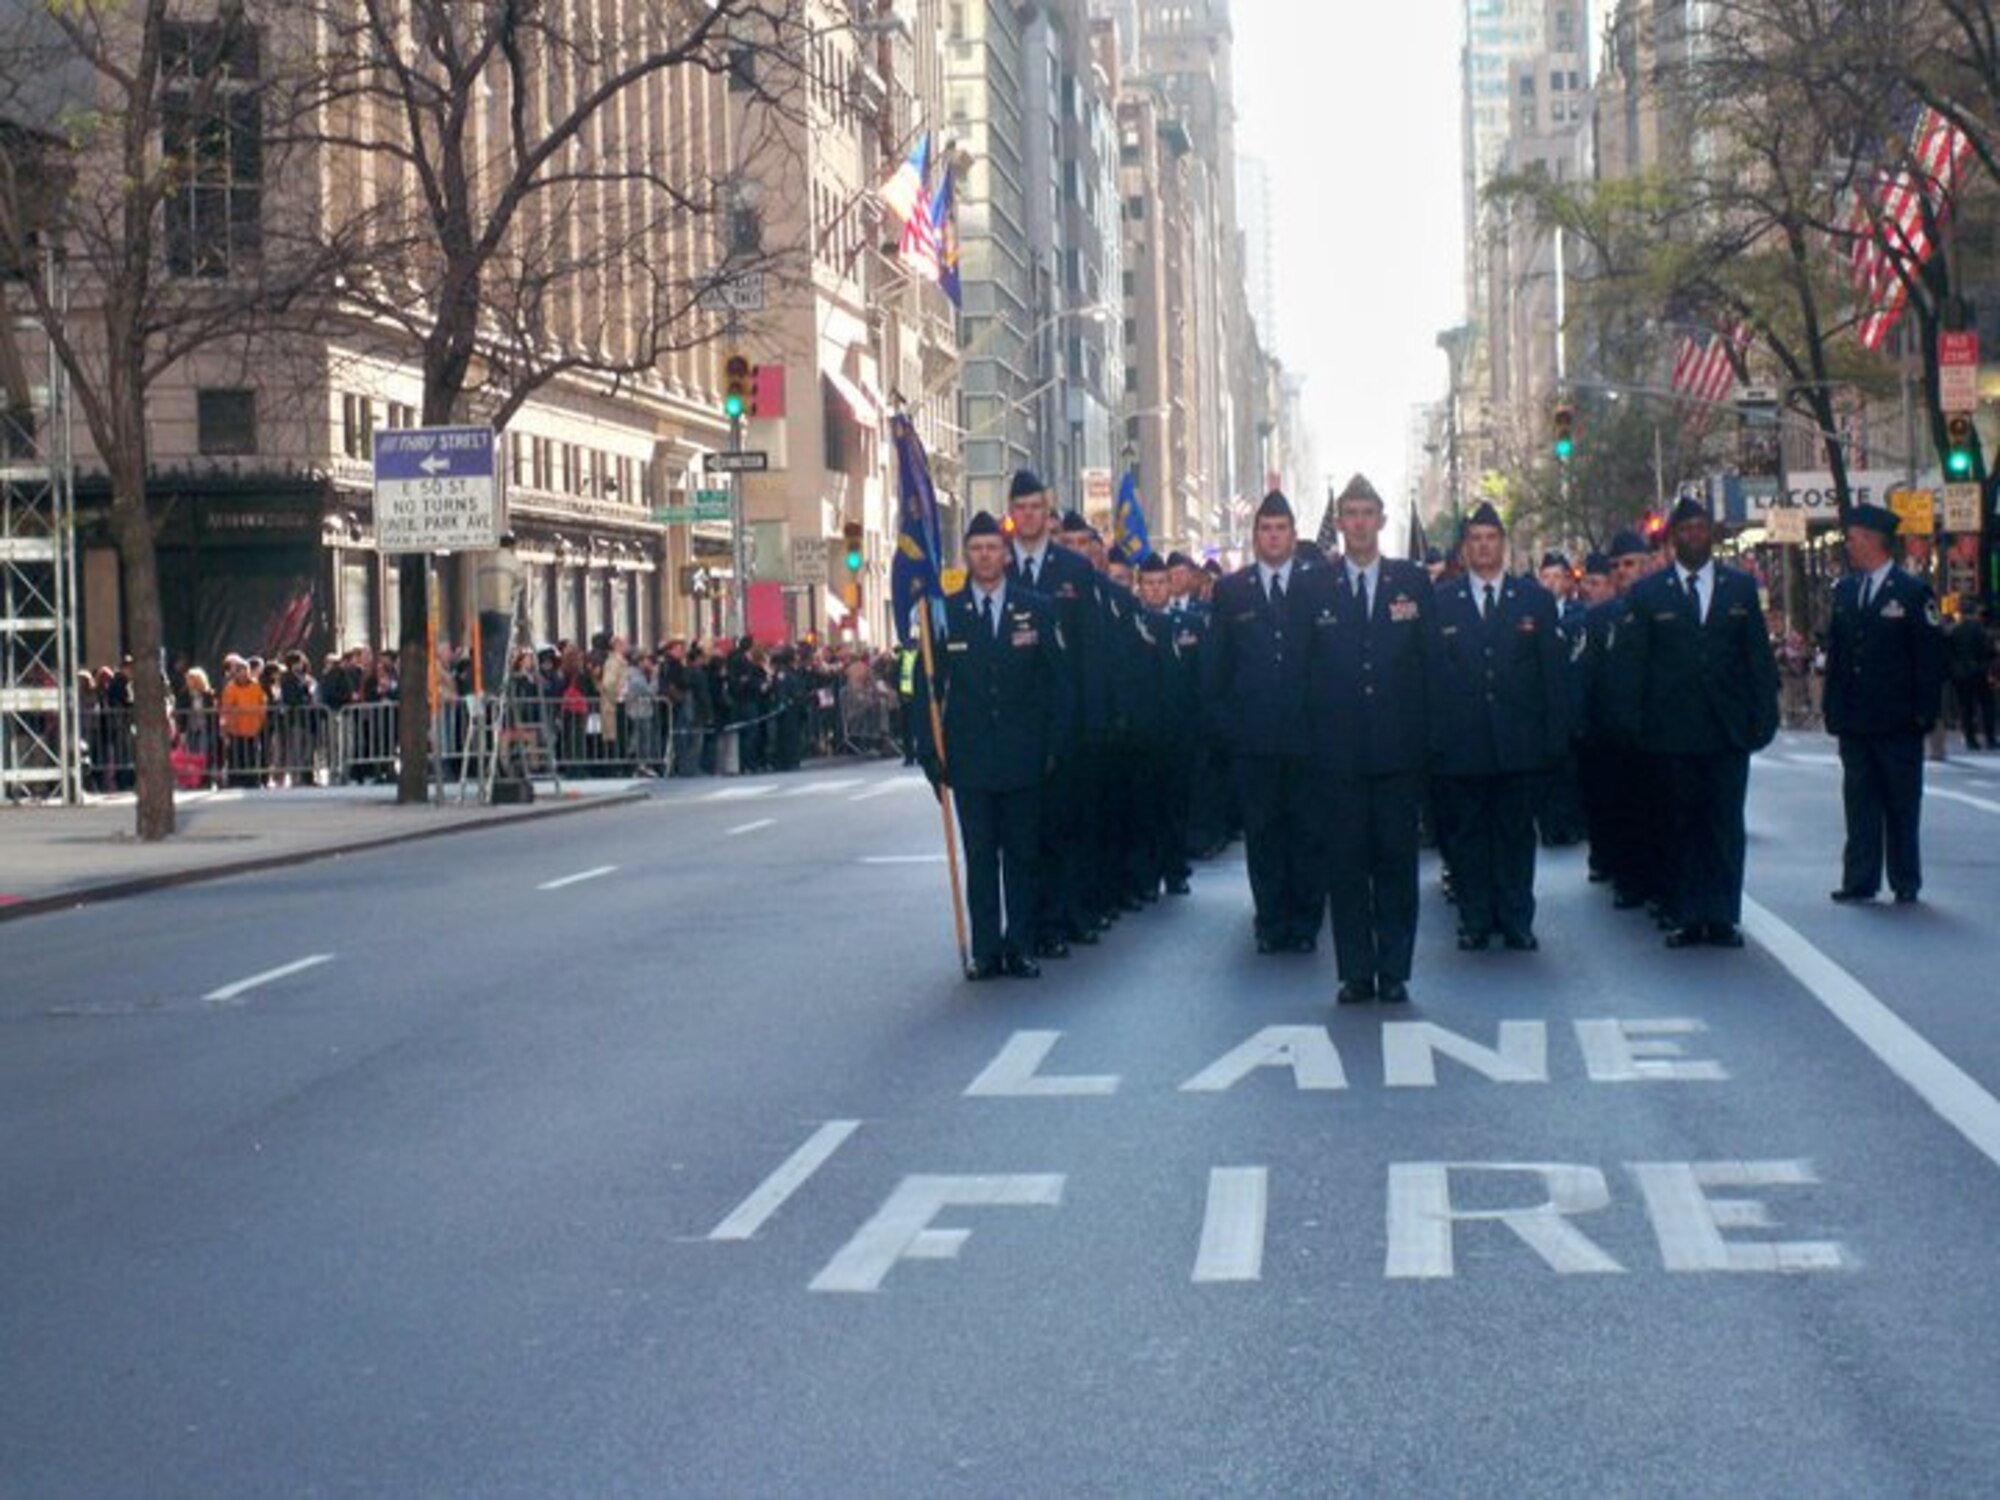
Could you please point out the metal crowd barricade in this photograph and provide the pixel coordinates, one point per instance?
(867, 719)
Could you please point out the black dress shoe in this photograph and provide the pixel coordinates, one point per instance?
(1844, 895)
(1474, 942)
(1724, 935)
(1023, 967)
(1906, 898)
(1691, 936)
(1626, 901)
(1355, 992)
(1052, 948)
(1393, 992)
(1178, 888)
(982, 968)
(1270, 945)
(1521, 942)
(1087, 937)
(1303, 945)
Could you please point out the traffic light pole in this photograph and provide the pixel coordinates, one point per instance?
(739, 542)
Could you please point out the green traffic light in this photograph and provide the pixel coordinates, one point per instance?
(1958, 463)
(732, 406)
(854, 561)
(1564, 447)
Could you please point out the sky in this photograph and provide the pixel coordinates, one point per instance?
(1355, 108)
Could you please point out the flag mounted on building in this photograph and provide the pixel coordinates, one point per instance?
(907, 197)
(1891, 227)
(916, 573)
(1705, 371)
(944, 230)
(1128, 522)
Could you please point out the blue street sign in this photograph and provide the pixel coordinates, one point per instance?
(436, 489)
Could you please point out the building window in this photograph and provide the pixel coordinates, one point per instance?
(1135, 207)
(357, 427)
(212, 135)
(743, 70)
(225, 422)
(402, 415)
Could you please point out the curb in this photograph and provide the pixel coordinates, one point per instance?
(140, 885)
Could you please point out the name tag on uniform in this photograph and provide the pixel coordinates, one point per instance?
(1737, 611)
(1447, 630)
(1404, 609)
(1246, 614)
(1893, 610)
(956, 645)
(1666, 616)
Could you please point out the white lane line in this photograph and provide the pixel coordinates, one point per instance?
(578, 879)
(902, 859)
(751, 827)
(821, 788)
(1984, 804)
(886, 789)
(1232, 1231)
(1938, 1081)
(753, 1212)
(230, 991)
(740, 793)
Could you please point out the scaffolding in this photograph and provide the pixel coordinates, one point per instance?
(40, 747)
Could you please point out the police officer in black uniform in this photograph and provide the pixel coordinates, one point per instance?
(1500, 720)
(1038, 562)
(1705, 689)
(1005, 703)
(1884, 681)
(1251, 690)
(1367, 727)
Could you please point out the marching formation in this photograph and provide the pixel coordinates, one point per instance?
(1103, 723)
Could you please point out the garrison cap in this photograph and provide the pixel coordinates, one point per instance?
(1212, 568)
(1596, 564)
(1688, 508)
(1628, 544)
(1275, 504)
(1073, 521)
(1358, 488)
(1152, 562)
(1483, 514)
(1179, 560)
(1026, 482)
(1875, 518)
(1432, 557)
(1553, 559)
(982, 524)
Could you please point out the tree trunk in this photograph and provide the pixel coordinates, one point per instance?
(413, 716)
(153, 772)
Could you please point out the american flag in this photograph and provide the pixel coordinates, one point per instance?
(1888, 234)
(1704, 372)
(907, 196)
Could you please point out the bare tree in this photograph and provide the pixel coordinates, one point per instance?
(533, 212)
(153, 173)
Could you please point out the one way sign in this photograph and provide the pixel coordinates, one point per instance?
(436, 490)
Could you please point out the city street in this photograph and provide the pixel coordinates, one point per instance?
(662, 1151)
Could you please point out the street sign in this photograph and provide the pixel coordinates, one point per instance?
(697, 581)
(1756, 395)
(1786, 524)
(1961, 508)
(436, 490)
(735, 463)
(1915, 509)
(742, 292)
(809, 559)
(1958, 371)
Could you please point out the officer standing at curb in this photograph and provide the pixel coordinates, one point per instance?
(1005, 704)
(1367, 619)
(1705, 688)
(1884, 681)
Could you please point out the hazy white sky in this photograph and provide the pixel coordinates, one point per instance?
(1355, 107)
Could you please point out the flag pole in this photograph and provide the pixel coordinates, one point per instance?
(945, 810)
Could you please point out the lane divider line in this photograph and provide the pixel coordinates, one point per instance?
(568, 880)
(1947, 1088)
(755, 1211)
(902, 859)
(752, 827)
(1984, 804)
(242, 986)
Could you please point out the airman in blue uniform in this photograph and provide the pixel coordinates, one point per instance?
(1884, 681)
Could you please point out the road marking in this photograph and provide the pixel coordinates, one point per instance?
(739, 793)
(230, 991)
(556, 885)
(751, 827)
(1011, 1075)
(821, 788)
(1421, 1216)
(902, 859)
(751, 1214)
(887, 788)
(901, 1228)
(1232, 1231)
(1982, 803)
(1689, 1224)
(1937, 1080)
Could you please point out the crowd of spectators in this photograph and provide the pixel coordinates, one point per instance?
(682, 707)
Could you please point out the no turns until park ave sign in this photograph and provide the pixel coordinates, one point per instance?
(436, 490)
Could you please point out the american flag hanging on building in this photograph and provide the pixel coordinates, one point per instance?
(1705, 373)
(1889, 227)
(907, 196)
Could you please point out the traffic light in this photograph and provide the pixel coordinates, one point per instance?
(851, 533)
(1958, 441)
(1562, 429)
(739, 386)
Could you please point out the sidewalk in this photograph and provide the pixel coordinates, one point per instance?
(54, 857)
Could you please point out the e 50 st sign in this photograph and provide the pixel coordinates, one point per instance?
(436, 490)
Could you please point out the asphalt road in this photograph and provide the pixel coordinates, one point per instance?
(660, 1151)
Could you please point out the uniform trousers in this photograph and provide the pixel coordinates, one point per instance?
(1368, 829)
(1285, 878)
(1882, 788)
(1486, 831)
(1705, 840)
(1002, 833)
(1068, 845)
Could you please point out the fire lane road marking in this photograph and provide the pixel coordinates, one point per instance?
(556, 885)
(754, 1211)
(751, 827)
(1936, 1079)
(242, 986)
